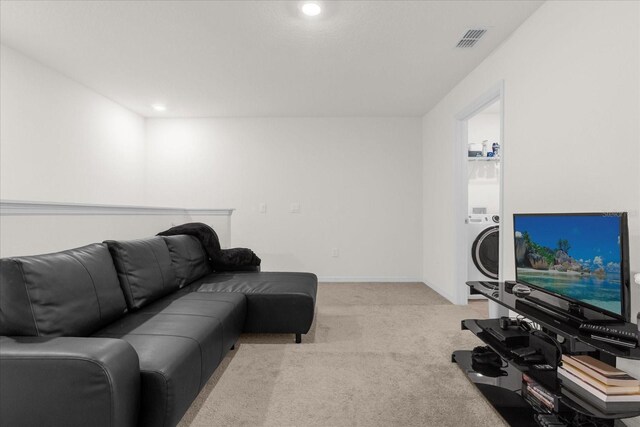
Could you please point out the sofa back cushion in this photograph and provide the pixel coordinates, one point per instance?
(190, 261)
(144, 269)
(69, 293)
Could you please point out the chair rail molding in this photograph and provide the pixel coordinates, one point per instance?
(27, 207)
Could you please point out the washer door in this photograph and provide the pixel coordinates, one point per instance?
(485, 252)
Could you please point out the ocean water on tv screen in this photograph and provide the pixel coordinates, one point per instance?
(603, 293)
(577, 256)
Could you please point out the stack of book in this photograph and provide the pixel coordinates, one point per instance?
(605, 387)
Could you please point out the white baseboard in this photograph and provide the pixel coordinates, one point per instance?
(356, 279)
(359, 279)
(443, 292)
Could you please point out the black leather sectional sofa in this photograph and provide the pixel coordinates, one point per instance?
(126, 333)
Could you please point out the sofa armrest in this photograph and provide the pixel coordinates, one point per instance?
(68, 381)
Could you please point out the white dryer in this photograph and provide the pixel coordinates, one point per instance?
(484, 247)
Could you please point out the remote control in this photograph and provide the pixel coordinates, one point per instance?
(595, 329)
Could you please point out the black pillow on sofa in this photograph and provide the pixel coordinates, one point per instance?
(190, 261)
(144, 269)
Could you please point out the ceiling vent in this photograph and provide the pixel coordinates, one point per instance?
(471, 37)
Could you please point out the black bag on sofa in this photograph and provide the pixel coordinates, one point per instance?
(236, 259)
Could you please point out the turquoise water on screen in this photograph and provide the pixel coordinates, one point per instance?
(603, 292)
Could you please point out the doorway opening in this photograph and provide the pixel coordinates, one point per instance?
(483, 193)
(479, 165)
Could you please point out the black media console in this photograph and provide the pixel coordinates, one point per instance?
(503, 385)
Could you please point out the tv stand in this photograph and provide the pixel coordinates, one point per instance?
(504, 392)
(531, 306)
(574, 340)
(576, 310)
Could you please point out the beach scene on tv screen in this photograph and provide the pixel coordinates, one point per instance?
(575, 256)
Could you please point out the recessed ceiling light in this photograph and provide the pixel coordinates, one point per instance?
(311, 9)
(159, 107)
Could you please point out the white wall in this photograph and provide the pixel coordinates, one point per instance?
(572, 103)
(357, 180)
(484, 185)
(62, 142)
(23, 235)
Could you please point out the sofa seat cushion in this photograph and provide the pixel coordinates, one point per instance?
(69, 293)
(189, 259)
(229, 308)
(144, 269)
(170, 376)
(204, 330)
(178, 353)
(276, 302)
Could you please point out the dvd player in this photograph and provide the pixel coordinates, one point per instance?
(511, 337)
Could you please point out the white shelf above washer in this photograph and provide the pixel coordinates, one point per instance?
(483, 159)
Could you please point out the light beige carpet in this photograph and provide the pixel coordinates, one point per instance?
(377, 355)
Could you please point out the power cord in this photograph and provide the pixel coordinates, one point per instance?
(548, 338)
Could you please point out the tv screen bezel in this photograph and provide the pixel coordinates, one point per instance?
(625, 275)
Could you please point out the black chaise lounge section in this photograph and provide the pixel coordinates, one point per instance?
(126, 333)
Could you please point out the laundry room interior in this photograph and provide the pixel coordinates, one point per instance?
(483, 180)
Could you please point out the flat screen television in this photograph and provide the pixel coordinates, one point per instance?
(580, 257)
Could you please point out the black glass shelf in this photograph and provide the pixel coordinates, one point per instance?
(569, 402)
(504, 389)
(575, 341)
(502, 392)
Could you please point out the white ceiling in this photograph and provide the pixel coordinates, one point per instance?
(262, 58)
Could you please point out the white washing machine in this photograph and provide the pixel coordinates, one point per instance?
(483, 247)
